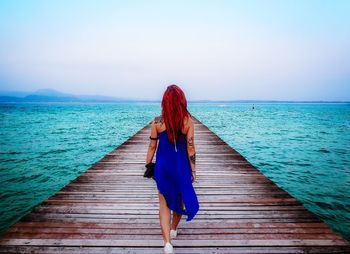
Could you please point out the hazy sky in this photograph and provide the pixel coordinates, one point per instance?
(283, 50)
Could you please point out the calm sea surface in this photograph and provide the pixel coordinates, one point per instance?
(304, 148)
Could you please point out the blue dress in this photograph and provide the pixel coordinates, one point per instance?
(173, 176)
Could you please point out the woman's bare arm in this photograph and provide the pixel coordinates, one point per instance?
(191, 150)
(152, 143)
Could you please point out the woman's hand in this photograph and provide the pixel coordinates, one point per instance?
(193, 176)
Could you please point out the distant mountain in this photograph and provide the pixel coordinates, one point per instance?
(51, 95)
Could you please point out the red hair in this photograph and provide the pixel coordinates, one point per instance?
(174, 111)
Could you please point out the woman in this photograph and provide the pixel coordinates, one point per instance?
(175, 169)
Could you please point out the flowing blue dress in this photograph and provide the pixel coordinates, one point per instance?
(173, 177)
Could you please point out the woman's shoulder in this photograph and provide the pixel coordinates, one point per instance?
(159, 122)
(188, 123)
(188, 120)
(158, 119)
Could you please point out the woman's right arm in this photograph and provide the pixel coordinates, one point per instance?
(191, 150)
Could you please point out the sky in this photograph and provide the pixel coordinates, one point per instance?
(213, 50)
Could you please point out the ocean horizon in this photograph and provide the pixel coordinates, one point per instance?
(55, 96)
(301, 146)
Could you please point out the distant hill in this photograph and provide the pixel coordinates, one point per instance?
(51, 95)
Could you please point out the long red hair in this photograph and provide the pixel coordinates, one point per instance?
(174, 111)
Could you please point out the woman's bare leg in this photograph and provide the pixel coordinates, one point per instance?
(176, 219)
(164, 218)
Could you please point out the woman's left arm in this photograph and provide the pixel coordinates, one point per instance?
(153, 142)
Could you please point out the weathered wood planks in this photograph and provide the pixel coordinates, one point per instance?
(111, 208)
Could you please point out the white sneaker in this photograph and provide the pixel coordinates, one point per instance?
(168, 248)
(173, 233)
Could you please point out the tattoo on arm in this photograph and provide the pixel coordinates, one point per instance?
(159, 119)
(193, 158)
(190, 142)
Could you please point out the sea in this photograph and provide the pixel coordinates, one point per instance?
(303, 147)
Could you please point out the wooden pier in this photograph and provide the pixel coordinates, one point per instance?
(112, 208)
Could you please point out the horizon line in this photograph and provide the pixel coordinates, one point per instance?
(121, 99)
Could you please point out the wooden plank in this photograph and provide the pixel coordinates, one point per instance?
(183, 243)
(184, 231)
(179, 250)
(111, 208)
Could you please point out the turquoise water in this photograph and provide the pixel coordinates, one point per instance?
(304, 148)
